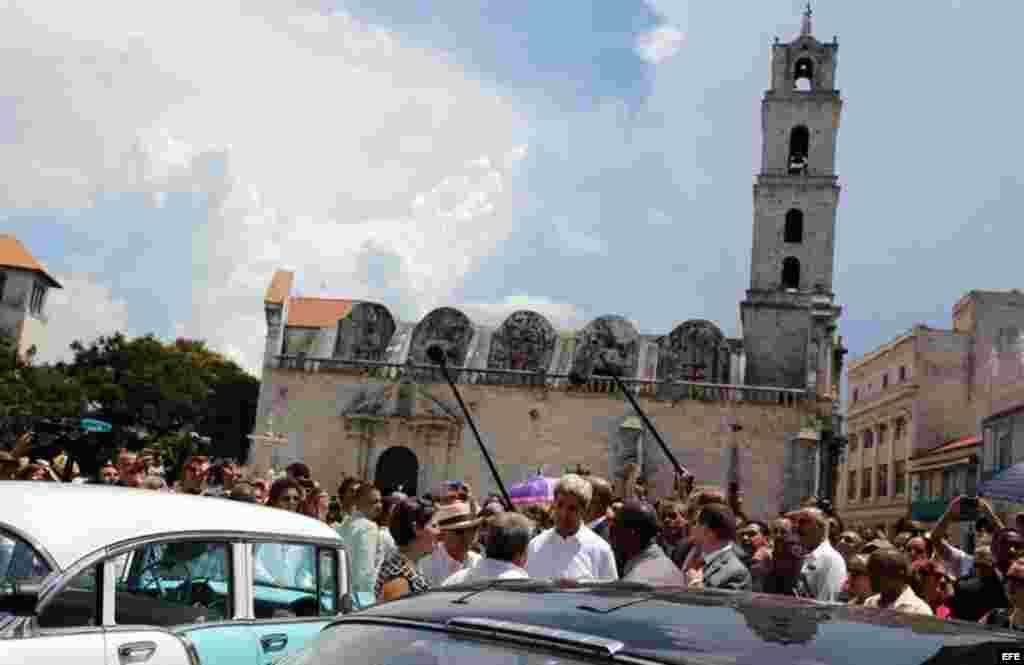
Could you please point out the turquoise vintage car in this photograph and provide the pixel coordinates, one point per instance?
(108, 575)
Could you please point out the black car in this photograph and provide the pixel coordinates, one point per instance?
(531, 622)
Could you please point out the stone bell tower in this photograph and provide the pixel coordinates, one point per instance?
(789, 315)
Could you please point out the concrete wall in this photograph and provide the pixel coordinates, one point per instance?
(817, 251)
(15, 320)
(776, 342)
(566, 429)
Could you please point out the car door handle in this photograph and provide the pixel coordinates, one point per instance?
(136, 652)
(274, 642)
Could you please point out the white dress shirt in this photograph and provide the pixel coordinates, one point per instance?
(583, 556)
(488, 569)
(438, 566)
(822, 574)
(908, 602)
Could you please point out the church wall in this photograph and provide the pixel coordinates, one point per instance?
(526, 429)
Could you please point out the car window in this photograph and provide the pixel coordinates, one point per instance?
(360, 644)
(169, 584)
(77, 605)
(293, 580)
(19, 561)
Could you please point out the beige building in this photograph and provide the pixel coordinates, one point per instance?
(921, 392)
(938, 475)
(348, 390)
(24, 289)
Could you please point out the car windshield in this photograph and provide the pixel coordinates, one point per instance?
(360, 644)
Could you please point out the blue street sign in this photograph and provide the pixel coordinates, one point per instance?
(90, 425)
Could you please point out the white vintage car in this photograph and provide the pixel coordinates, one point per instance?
(98, 575)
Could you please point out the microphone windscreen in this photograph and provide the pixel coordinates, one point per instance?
(436, 354)
(577, 379)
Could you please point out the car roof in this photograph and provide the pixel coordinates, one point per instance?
(682, 626)
(69, 521)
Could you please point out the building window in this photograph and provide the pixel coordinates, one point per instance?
(869, 439)
(36, 302)
(790, 273)
(883, 432)
(1004, 445)
(794, 230)
(856, 395)
(883, 480)
(851, 489)
(899, 472)
(1009, 340)
(897, 430)
(885, 381)
(799, 149)
(903, 374)
(854, 442)
(865, 486)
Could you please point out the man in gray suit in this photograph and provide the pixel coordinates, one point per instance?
(715, 531)
(633, 532)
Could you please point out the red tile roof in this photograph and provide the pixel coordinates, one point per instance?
(14, 255)
(317, 312)
(965, 442)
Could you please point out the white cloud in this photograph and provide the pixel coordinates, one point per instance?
(315, 137)
(659, 44)
(81, 311)
(563, 316)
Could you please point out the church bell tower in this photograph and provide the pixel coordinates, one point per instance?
(789, 315)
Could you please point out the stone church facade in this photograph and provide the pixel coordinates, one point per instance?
(349, 389)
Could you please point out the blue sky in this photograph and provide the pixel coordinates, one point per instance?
(491, 154)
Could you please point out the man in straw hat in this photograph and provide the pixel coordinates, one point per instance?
(459, 530)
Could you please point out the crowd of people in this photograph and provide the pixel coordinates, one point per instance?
(400, 545)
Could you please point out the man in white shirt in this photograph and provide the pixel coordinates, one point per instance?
(824, 570)
(570, 550)
(459, 528)
(892, 571)
(364, 540)
(509, 539)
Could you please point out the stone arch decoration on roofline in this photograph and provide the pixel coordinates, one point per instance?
(525, 341)
(447, 327)
(695, 351)
(610, 338)
(364, 333)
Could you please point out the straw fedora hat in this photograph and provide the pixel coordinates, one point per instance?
(455, 517)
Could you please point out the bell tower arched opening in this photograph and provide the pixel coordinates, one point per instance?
(794, 230)
(799, 149)
(803, 75)
(790, 273)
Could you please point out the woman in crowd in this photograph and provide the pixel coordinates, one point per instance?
(673, 533)
(1011, 617)
(285, 494)
(931, 583)
(849, 544)
(415, 535)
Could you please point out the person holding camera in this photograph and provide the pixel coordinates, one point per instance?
(961, 509)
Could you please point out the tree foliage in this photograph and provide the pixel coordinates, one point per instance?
(161, 391)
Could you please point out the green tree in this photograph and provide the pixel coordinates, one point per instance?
(166, 389)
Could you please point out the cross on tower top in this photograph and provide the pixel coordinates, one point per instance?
(805, 27)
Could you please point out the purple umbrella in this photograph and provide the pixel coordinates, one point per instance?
(536, 490)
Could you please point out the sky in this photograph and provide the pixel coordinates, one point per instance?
(577, 158)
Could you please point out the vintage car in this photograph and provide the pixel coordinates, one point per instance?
(98, 575)
(532, 622)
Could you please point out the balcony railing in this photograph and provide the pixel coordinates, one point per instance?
(662, 390)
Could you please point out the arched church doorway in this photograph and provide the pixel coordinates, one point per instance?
(397, 469)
